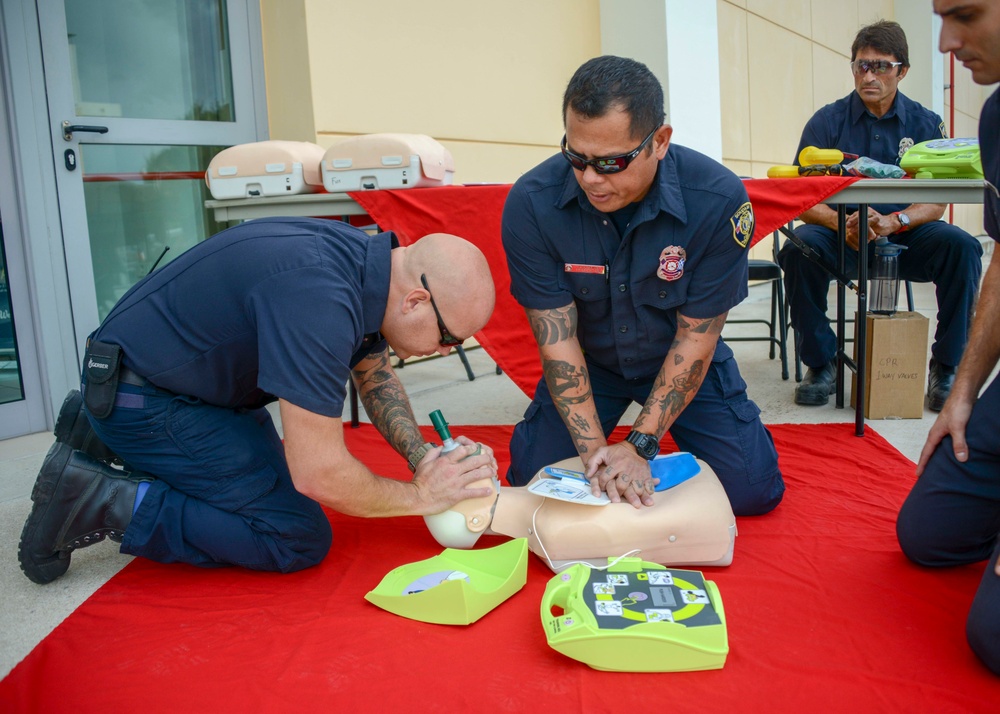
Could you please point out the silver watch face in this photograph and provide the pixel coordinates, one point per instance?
(904, 219)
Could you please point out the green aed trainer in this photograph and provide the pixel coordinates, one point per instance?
(943, 158)
(456, 587)
(636, 616)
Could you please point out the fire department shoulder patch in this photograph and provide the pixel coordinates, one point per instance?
(743, 224)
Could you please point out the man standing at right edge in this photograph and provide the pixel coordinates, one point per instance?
(952, 515)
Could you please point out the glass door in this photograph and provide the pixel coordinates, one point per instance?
(142, 94)
(11, 386)
(22, 410)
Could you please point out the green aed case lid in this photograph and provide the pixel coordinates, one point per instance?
(636, 616)
(944, 158)
(456, 587)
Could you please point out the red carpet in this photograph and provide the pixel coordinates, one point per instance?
(824, 614)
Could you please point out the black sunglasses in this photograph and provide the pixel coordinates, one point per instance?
(447, 339)
(606, 164)
(822, 170)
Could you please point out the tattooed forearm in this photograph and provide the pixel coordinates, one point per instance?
(569, 386)
(709, 326)
(551, 326)
(564, 377)
(388, 407)
(667, 402)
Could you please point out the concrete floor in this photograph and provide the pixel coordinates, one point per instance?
(31, 611)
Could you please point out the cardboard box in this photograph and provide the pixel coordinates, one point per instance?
(896, 366)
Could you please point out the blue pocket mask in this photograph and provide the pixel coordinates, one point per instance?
(673, 469)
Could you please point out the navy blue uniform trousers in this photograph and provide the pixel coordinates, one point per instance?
(936, 252)
(223, 494)
(721, 426)
(952, 517)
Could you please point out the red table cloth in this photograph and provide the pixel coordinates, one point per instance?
(473, 212)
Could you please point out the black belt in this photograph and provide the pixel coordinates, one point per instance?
(129, 377)
(128, 399)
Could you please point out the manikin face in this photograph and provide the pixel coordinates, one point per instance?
(877, 91)
(609, 135)
(971, 30)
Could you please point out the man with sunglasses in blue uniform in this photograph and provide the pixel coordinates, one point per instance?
(176, 378)
(627, 252)
(879, 122)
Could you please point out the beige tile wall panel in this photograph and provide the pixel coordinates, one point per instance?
(967, 100)
(780, 90)
(478, 162)
(869, 11)
(795, 15)
(740, 168)
(451, 69)
(758, 169)
(287, 70)
(965, 125)
(832, 79)
(969, 96)
(834, 25)
(734, 83)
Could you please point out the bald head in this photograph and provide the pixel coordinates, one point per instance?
(458, 277)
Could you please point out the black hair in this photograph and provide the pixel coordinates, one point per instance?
(885, 37)
(608, 82)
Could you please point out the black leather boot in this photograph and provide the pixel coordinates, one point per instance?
(939, 381)
(77, 501)
(73, 428)
(816, 387)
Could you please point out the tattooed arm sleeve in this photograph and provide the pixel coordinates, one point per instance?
(386, 402)
(566, 376)
(682, 373)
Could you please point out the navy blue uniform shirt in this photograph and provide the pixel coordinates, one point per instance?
(278, 307)
(989, 147)
(848, 125)
(684, 249)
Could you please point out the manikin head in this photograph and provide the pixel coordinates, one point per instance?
(440, 293)
(461, 526)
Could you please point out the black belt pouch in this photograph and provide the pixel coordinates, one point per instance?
(101, 365)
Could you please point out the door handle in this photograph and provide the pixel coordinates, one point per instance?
(68, 129)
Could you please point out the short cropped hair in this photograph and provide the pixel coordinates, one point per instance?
(884, 36)
(608, 82)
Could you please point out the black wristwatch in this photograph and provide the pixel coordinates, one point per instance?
(646, 444)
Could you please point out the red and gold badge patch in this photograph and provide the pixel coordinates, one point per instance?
(671, 263)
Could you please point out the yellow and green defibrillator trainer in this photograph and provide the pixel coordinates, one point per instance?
(944, 158)
(636, 616)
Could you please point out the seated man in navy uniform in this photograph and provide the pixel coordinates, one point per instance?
(952, 515)
(627, 253)
(878, 121)
(176, 378)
